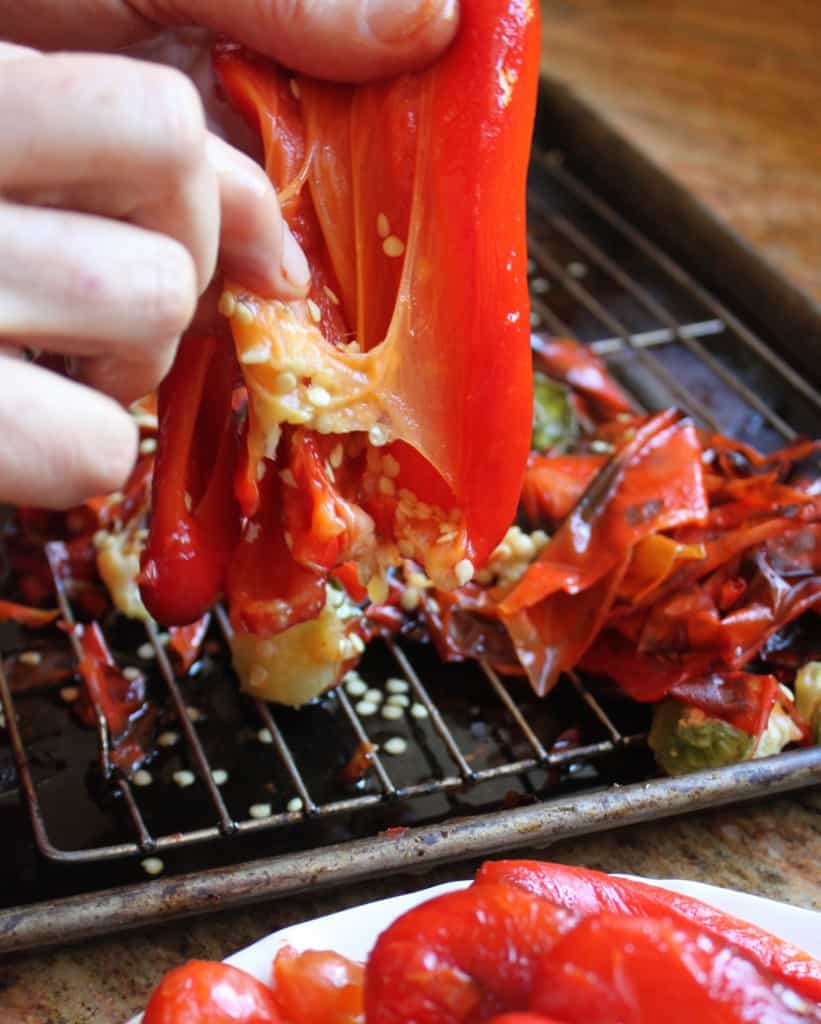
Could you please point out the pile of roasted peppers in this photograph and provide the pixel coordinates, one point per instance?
(346, 466)
(526, 943)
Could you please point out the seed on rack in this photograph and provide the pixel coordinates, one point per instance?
(152, 866)
(356, 687)
(184, 778)
(366, 708)
(69, 694)
(577, 269)
(260, 810)
(30, 658)
(535, 319)
(399, 700)
(396, 746)
(539, 286)
(419, 711)
(601, 447)
(264, 736)
(131, 673)
(142, 778)
(220, 776)
(294, 804)
(168, 739)
(145, 651)
(374, 696)
(392, 713)
(531, 266)
(194, 714)
(148, 446)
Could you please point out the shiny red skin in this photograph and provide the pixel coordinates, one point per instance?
(202, 992)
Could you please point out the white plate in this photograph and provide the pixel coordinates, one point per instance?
(353, 932)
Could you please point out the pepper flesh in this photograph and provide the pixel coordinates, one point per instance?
(408, 197)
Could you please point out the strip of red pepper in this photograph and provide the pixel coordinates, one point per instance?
(587, 892)
(441, 158)
(194, 517)
(25, 615)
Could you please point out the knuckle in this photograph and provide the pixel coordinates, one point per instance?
(170, 286)
(177, 118)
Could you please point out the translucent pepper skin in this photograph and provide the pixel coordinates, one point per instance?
(637, 970)
(588, 892)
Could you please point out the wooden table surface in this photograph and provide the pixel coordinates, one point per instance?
(724, 94)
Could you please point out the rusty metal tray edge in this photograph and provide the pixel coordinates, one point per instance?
(81, 917)
(680, 222)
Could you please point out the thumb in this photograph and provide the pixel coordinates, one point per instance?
(342, 40)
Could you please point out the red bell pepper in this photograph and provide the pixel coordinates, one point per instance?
(25, 615)
(587, 892)
(464, 956)
(578, 366)
(204, 992)
(408, 197)
(611, 968)
(194, 517)
(318, 987)
(119, 699)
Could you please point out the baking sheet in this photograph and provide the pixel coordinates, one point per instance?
(353, 932)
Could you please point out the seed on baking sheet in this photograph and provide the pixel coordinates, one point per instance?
(220, 776)
(383, 226)
(184, 778)
(264, 736)
(396, 746)
(168, 739)
(419, 711)
(539, 286)
(30, 658)
(194, 713)
(294, 804)
(577, 269)
(535, 319)
(366, 708)
(531, 266)
(142, 778)
(145, 651)
(392, 712)
(356, 688)
(315, 311)
(399, 700)
(397, 686)
(393, 246)
(260, 810)
(69, 694)
(130, 672)
(374, 696)
(152, 866)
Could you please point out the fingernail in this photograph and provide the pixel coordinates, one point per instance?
(295, 267)
(395, 22)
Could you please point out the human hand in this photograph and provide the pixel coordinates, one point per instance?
(114, 200)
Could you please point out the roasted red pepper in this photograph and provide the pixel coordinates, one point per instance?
(408, 197)
(25, 615)
(586, 893)
(203, 992)
(194, 517)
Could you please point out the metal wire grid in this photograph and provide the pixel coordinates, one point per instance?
(615, 339)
